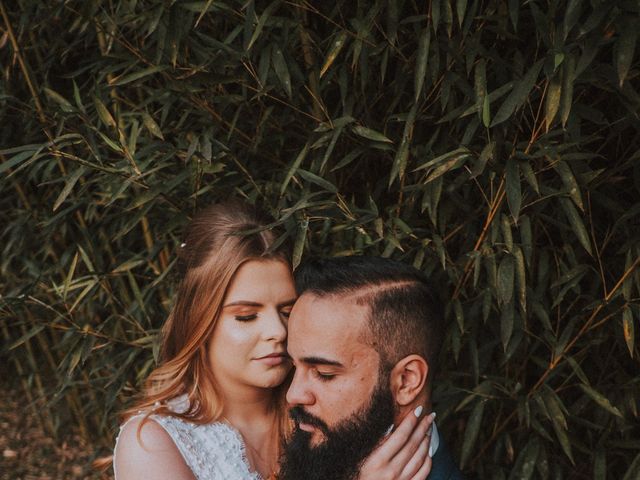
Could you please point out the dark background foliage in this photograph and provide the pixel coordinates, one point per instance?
(494, 144)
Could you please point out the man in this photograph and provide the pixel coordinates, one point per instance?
(364, 335)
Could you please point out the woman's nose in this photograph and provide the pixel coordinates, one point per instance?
(275, 328)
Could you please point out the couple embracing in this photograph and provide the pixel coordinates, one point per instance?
(267, 374)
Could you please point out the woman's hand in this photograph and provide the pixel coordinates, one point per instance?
(403, 455)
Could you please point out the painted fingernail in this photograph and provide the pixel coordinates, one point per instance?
(418, 411)
(389, 430)
(432, 415)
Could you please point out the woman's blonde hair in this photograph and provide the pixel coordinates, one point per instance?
(218, 241)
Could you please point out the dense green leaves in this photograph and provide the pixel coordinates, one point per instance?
(493, 145)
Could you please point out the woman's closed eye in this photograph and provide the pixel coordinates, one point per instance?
(246, 318)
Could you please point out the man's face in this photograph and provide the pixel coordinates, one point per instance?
(335, 371)
(339, 397)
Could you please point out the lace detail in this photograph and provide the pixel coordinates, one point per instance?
(214, 451)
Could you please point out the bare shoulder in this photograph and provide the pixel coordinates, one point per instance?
(149, 453)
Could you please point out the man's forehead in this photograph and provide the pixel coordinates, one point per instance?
(326, 322)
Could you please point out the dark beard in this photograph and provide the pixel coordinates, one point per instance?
(340, 455)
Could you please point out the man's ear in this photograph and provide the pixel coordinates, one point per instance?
(408, 378)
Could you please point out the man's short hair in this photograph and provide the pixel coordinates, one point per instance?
(404, 316)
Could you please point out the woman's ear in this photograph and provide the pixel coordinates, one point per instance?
(408, 379)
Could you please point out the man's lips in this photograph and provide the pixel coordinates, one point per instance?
(306, 427)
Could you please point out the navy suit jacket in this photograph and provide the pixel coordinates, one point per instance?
(444, 467)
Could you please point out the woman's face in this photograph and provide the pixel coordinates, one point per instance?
(248, 346)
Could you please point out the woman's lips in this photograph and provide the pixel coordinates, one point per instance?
(274, 359)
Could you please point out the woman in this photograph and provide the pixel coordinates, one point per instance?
(215, 407)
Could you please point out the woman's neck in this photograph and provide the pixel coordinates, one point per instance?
(249, 409)
(254, 414)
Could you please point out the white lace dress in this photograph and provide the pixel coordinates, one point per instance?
(214, 451)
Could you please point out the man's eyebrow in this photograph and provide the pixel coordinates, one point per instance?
(321, 361)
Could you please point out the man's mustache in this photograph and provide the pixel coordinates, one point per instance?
(299, 415)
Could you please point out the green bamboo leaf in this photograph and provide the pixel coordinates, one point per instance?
(204, 10)
(521, 278)
(20, 158)
(633, 472)
(628, 329)
(26, 337)
(451, 164)
(334, 51)
(435, 14)
(298, 246)
(563, 438)
(458, 153)
(569, 180)
(552, 100)
(518, 95)
(471, 432)
(448, 16)
(421, 61)
(132, 77)
(566, 98)
(514, 13)
(513, 188)
(555, 407)
(370, 134)
(152, 126)
(480, 84)
(576, 223)
(529, 176)
(601, 400)
(625, 47)
(69, 277)
(486, 155)
(400, 160)
(600, 464)
(321, 182)
(104, 113)
(294, 167)
(461, 8)
(59, 99)
(506, 276)
(72, 179)
(281, 69)
(262, 21)
(526, 462)
(507, 236)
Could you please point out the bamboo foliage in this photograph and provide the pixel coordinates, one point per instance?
(492, 144)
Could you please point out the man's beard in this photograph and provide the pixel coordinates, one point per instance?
(344, 448)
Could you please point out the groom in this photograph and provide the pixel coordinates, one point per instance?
(364, 336)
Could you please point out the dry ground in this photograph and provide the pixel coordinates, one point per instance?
(28, 453)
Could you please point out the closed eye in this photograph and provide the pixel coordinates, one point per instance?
(246, 318)
(325, 377)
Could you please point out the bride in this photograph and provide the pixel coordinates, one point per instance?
(215, 407)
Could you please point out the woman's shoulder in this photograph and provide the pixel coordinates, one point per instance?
(201, 451)
(144, 448)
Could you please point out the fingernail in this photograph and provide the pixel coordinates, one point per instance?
(418, 411)
(433, 415)
(389, 430)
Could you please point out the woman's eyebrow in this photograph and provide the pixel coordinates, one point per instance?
(288, 303)
(243, 303)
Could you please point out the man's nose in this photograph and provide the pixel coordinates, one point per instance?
(299, 393)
